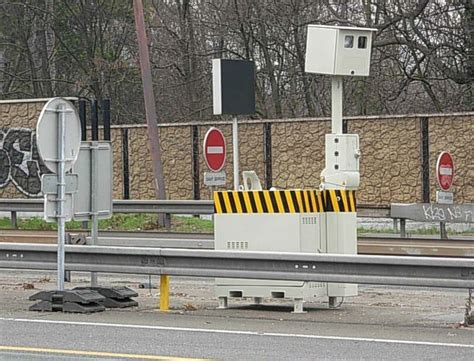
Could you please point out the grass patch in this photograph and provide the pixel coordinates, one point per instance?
(148, 222)
(36, 223)
(375, 230)
(192, 224)
(428, 231)
(119, 222)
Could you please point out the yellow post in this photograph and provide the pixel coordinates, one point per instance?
(164, 293)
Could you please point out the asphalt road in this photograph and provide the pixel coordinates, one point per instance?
(388, 323)
(116, 341)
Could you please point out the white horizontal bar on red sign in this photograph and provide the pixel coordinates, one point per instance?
(446, 171)
(215, 150)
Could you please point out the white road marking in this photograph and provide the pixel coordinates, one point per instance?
(235, 332)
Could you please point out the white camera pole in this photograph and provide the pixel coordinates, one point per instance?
(235, 152)
(336, 104)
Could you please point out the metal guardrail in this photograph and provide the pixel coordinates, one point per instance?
(367, 245)
(433, 212)
(382, 270)
(121, 206)
(21, 205)
(165, 206)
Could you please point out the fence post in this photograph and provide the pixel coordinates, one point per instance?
(95, 120)
(125, 165)
(83, 119)
(425, 159)
(106, 118)
(195, 162)
(267, 154)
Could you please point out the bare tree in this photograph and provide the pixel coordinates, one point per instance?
(422, 56)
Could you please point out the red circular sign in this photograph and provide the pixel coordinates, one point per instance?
(445, 170)
(214, 149)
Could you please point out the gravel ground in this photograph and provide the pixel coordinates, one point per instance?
(389, 306)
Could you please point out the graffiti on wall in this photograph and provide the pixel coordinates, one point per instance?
(20, 162)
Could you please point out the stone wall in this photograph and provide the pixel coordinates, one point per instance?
(177, 165)
(298, 153)
(456, 135)
(20, 164)
(391, 162)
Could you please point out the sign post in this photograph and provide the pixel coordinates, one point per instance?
(235, 151)
(58, 137)
(233, 91)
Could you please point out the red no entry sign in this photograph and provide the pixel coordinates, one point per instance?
(214, 149)
(445, 170)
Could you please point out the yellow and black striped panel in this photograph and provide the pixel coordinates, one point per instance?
(279, 201)
(336, 200)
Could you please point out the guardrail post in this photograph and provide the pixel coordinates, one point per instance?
(395, 225)
(164, 293)
(14, 219)
(403, 230)
(442, 230)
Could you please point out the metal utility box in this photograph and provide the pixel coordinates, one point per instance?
(306, 221)
(338, 50)
(296, 232)
(341, 239)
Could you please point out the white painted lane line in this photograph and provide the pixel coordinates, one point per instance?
(235, 332)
